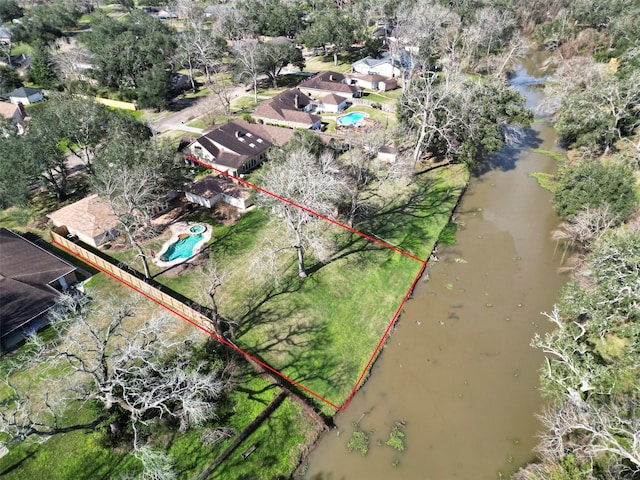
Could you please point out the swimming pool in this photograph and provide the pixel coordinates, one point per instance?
(350, 119)
(197, 229)
(182, 248)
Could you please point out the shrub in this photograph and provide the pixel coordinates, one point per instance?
(593, 184)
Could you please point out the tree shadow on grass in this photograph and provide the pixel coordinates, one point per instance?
(279, 334)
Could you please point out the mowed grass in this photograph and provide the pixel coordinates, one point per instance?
(322, 330)
(90, 453)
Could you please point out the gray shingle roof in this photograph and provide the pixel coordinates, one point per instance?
(26, 272)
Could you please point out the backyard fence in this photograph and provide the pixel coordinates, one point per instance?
(189, 310)
(385, 107)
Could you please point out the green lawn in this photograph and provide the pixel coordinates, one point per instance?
(89, 453)
(321, 331)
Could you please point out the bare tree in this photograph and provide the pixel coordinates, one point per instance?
(221, 85)
(585, 228)
(136, 372)
(314, 184)
(427, 105)
(246, 54)
(602, 431)
(212, 278)
(134, 180)
(199, 47)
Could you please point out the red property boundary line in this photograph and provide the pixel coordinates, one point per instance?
(308, 210)
(423, 265)
(209, 332)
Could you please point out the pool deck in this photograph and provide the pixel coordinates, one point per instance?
(178, 229)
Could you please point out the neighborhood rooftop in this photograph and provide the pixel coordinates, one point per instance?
(26, 272)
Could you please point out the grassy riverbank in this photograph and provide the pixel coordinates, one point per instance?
(319, 331)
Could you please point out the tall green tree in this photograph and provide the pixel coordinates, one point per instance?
(128, 49)
(592, 184)
(46, 22)
(272, 18)
(9, 79)
(10, 10)
(331, 27)
(154, 88)
(42, 71)
(272, 57)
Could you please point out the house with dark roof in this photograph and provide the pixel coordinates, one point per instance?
(31, 283)
(290, 108)
(90, 219)
(235, 147)
(327, 82)
(25, 96)
(213, 189)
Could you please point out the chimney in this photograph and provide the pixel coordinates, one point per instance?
(238, 134)
(22, 110)
(331, 77)
(296, 101)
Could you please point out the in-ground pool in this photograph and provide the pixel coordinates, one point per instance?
(353, 118)
(182, 248)
(197, 229)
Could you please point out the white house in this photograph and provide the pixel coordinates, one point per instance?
(384, 65)
(26, 96)
(334, 103)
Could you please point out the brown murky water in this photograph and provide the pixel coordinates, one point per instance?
(459, 369)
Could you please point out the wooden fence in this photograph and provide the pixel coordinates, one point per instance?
(191, 311)
(385, 107)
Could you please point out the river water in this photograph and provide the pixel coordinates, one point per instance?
(458, 370)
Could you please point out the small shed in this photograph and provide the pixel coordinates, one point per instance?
(334, 103)
(387, 153)
(90, 219)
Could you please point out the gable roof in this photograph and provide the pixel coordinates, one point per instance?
(286, 107)
(369, 77)
(8, 110)
(91, 216)
(24, 92)
(333, 99)
(233, 143)
(26, 272)
(330, 82)
(371, 62)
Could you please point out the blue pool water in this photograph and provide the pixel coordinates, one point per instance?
(183, 248)
(352, 118)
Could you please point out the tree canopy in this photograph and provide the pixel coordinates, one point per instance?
(132, 53)
(592, 184)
